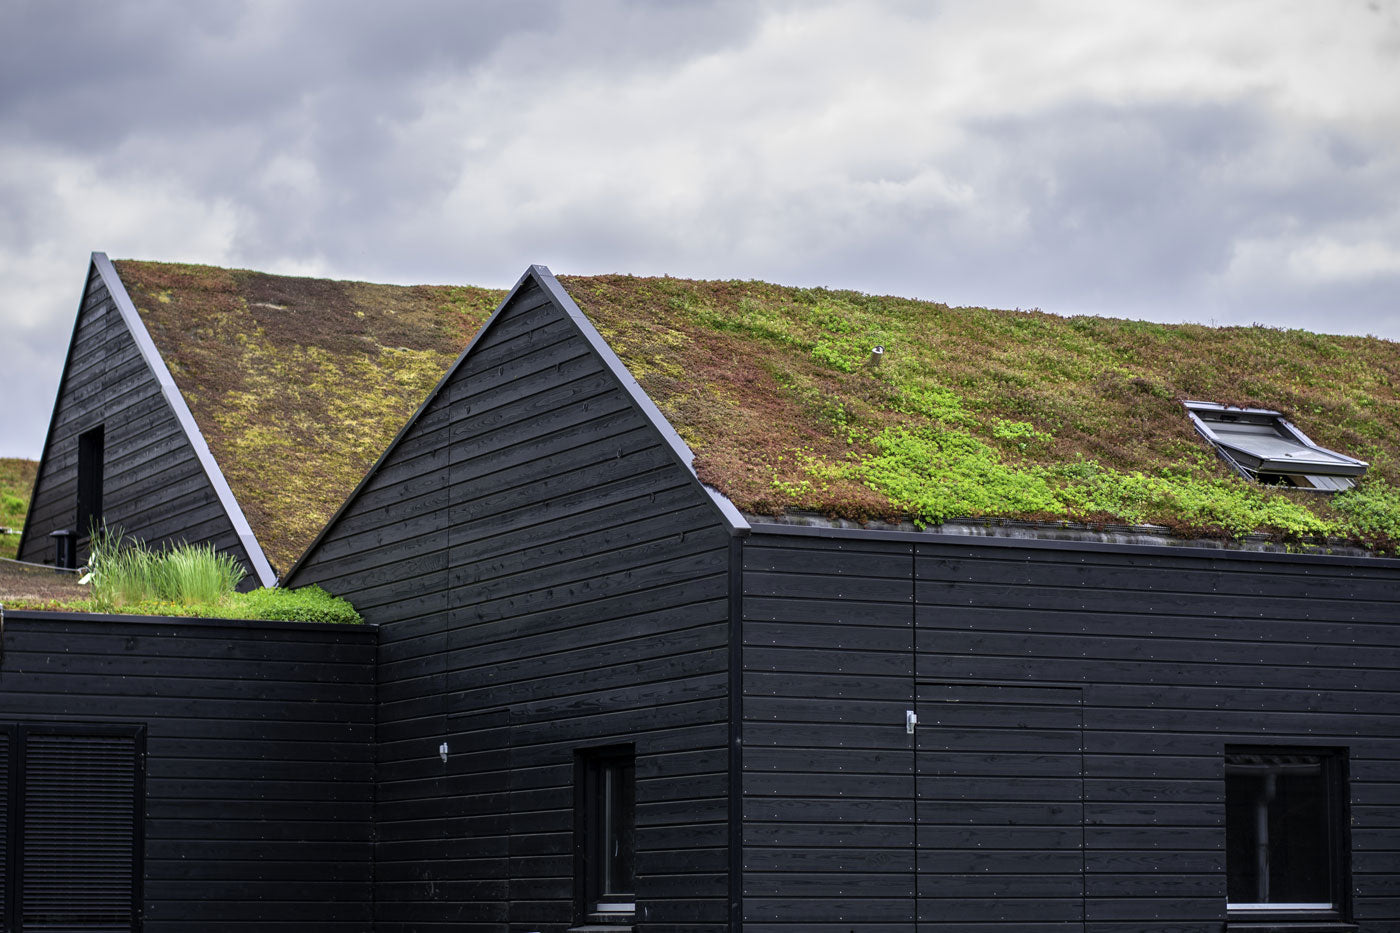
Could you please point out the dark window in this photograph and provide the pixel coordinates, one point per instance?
(1285, 831)
(605, 843)
(90, 447)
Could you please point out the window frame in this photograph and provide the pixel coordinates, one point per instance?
(1336, 795)
(1338, 473)
(593, 833)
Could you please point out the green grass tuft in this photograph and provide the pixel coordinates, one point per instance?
(126, 572)
(190, 580)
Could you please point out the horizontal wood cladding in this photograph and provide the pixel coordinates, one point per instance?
(258, 765)
(547, 578)
(1170, 656)
(828, 769)
(153, 485)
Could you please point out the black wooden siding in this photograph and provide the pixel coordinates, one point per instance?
(155, 487)
(259, 757)
(1098, 688)
(547, 578)
(828, 782)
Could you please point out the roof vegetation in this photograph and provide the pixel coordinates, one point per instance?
(978, 413)
(124, 576)
(299, 385)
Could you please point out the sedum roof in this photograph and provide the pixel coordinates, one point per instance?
(299, 384)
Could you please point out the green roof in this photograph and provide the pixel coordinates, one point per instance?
(969, 412)
(299, 384)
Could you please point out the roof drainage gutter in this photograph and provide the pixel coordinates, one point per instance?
(1010, 529)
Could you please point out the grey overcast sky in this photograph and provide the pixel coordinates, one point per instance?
(1223, 162)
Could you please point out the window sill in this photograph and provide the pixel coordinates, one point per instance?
(1289, 926)
(602, 923)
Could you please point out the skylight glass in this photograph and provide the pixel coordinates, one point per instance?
(1265, 447)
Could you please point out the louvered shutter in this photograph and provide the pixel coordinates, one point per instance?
(6, 749)
(78, 848)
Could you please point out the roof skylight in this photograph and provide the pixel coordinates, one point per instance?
(1263, 446)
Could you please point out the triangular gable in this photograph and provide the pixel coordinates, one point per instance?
(536, 277)
(160, 480)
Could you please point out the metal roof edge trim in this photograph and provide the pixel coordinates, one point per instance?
(184, 416)
(759, 526)
(733, 519)
(407, 426)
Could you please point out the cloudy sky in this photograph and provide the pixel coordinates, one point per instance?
(1226, 162)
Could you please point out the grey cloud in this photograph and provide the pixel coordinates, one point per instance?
(427, 141)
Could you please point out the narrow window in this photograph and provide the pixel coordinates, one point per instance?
(1285, 831)
(90, 449)
(605, 843)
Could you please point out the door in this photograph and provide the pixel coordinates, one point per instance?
(1000, 811)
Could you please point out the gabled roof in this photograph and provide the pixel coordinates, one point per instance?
(297, 384)
(968, 412)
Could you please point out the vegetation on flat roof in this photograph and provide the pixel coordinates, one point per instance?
(124, 576)
(299, 384)
(303, 604)
(16, 486)
(972, 412)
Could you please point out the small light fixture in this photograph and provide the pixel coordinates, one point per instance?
(875, 354)
(442, 752)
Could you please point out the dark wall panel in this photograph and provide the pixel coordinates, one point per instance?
(547, 578)
(828, 769)
(1075, 705)
(153, 484)
(258, 757)
(1176, 655)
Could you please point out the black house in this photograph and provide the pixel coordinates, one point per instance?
(231, 407)
(123, 447)
(608, 697)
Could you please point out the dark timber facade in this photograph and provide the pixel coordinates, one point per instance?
(551, 580)
(123, 448)
(180, 774)
(601, 697)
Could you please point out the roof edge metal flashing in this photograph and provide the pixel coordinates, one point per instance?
(173, 397)
(1125, 539)
(733, 519)
(1260, 441)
